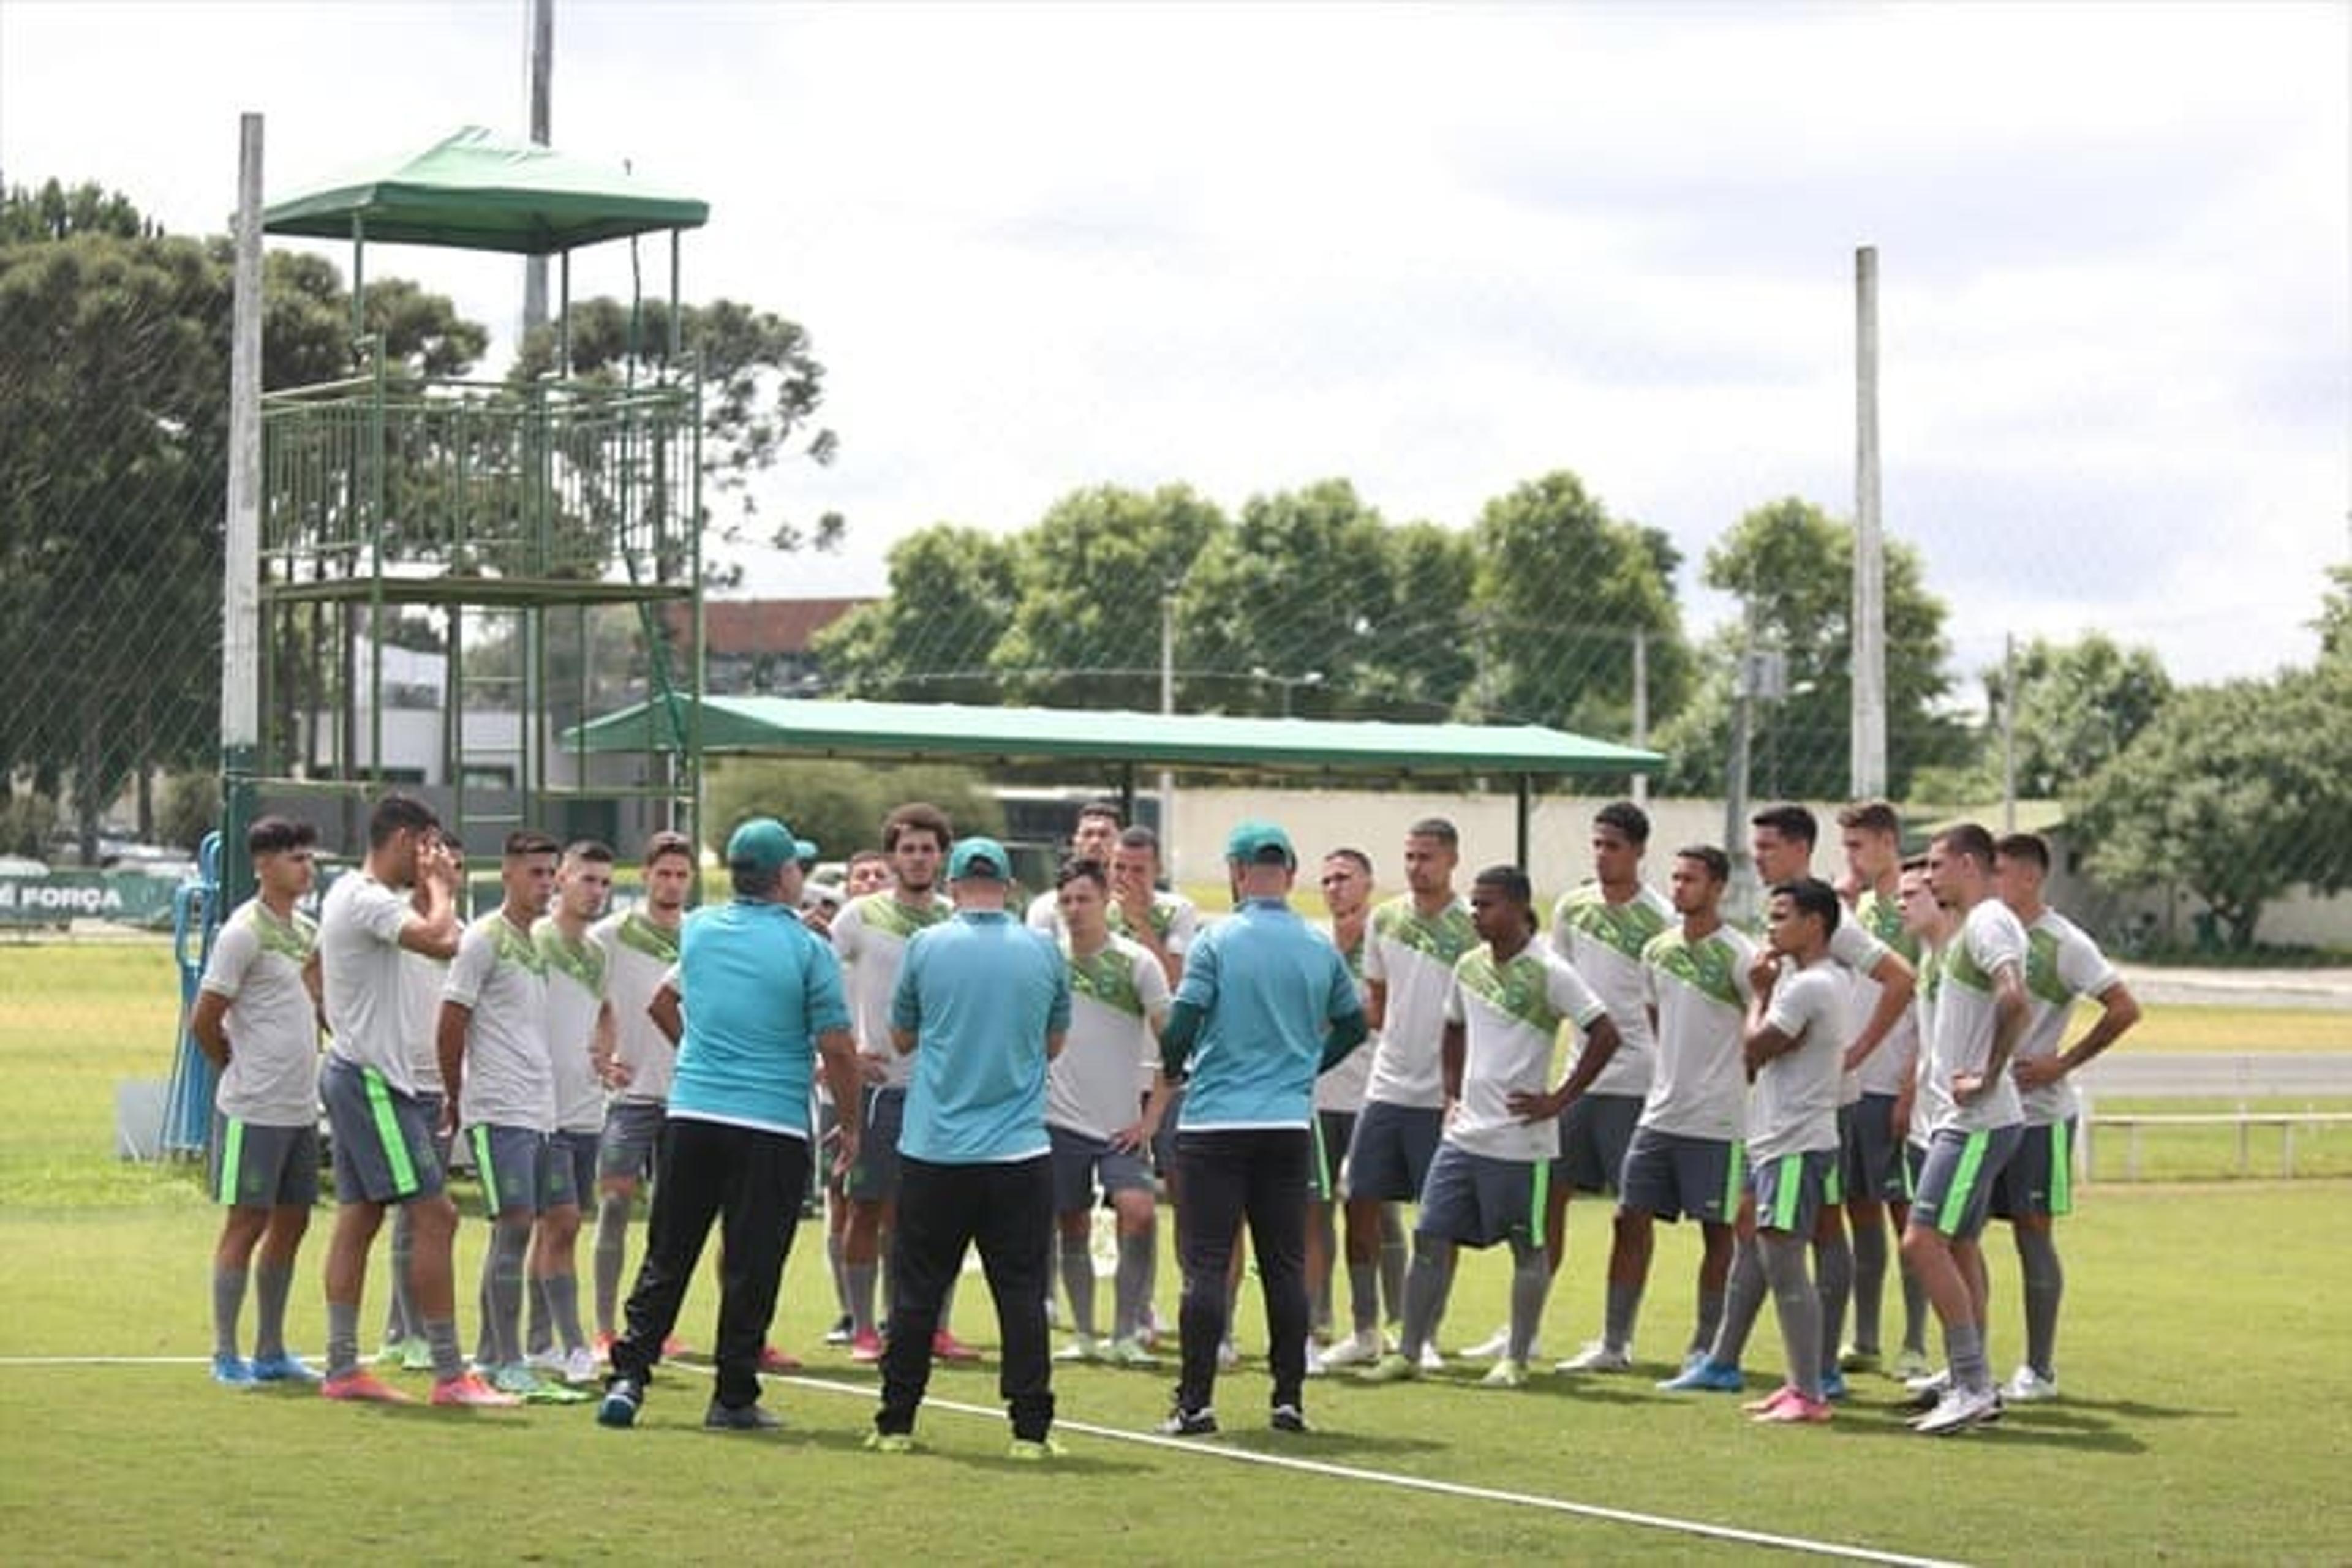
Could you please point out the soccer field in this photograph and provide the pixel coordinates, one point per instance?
(2201, 1359)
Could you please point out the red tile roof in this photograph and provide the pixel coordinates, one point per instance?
(762, 625)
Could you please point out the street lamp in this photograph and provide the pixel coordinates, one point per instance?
(1287, 682)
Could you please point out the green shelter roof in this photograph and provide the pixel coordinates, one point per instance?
(932, 730)
(474, 191)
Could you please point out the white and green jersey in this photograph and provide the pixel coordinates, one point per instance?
(371, 1008)
(256, 963)
(423, 977)
(2061, 962)
(1413, 955)
(1510, 1015)
(1175, 920)
(500, 977)
(1891, 1066)
(1342, 1089)
(1792, 1108)
(1118, 999)
(1964, 1018)
(575, 997)
(1605, 941)
(1700, 989)
(638, 954)
(870, 936)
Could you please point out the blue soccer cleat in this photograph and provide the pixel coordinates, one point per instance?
(1706, 1377)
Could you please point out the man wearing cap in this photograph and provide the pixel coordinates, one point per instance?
(754, 999)
(981, 1004)
(1266, 1004)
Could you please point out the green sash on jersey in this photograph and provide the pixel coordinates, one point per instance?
(1961, 968)
(293, 939)
(513, 946)
(1706, 965)
(584, 960)
(2042, 977)
(1108, 976)
(1883, 917)
(1444, 938)
(1518, 988)
(1163, 918)
(1627, 928)
(884, 914)
(636, 932)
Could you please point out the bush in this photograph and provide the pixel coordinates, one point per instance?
(187, 807)
(26, 821)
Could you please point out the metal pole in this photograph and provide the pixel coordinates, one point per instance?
(1167, 706)
(542, 96)
(1867, 773)
(1735, 791)
(1640, 709)
(2008, 732)
(241, 569)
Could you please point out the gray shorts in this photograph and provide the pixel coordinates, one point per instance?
(1334, 1131)
(1389, 1154)
(578, 1150)
(255, 1167)
(1594, 1134)
(1957, 1178)
(1792, 1188)
(874, 1179)
(519, 1170)
(1477, 1200)
(2041, 1179)
(1079, 1162)
(1670, 1175)
(633, 1129)
(384, 1141)
(1870, 1153)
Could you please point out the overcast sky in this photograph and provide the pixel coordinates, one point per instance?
(1436, 249)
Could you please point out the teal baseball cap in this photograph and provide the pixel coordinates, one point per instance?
(979, 859)
(1256, 842)
(766, 844)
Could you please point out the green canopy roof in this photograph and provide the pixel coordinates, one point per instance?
(476, 192)
(907, 731)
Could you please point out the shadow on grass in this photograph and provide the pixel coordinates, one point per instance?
(2080, 1434)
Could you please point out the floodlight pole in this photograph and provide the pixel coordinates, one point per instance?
(241, 567)
(542, 98)
(1168, 706)
(1868, 772)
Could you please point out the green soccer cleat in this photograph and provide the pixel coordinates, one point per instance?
(1506, 1373)
(1393, 1367)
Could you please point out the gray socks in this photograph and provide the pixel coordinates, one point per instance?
(228, 1300)
(539, 1331)
(1325, 1230)
(1836, 1261)
(561, 1293)
(402, 1323)
(1710, 1319)
(271, 1286)
(858, 1280)
(1624, 1305)
(1964, 1348)
(1743, 1298)
(2045, 1287)
(1394, 1256)
(833, 1256)
(1869, 1283)
(1530, 1283)
(1426, 1286)
(1915, 1310)
(1078, 1280)
(1800, 1308)
(503, 1287)
(342, 1337)
(1133, 1289)
(612, 1252)
(441, 1334)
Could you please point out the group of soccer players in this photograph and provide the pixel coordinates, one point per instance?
(1886, 1061)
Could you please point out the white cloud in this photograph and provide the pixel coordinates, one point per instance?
(1436, 250)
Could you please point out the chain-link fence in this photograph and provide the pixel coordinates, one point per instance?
(2190, 821)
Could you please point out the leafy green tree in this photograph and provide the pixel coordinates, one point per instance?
(2078, 706)
(2335, 623)
(930, 639)
(762, 387)
(1791, 565)
(1562, 590)
(2237, 792)
(1089, 576)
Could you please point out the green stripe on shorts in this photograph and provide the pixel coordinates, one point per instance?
(482, 1168)
(1964, 1179)
(232, 1157)
(1833, 1184)
(1322, 1172)
(1785, 1191)
(1539, 1201)
(2062, 1170)
(1735, 1180)
(387, 1132)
